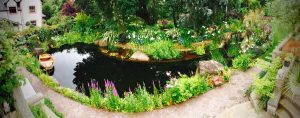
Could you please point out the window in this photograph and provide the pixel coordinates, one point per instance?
(33, 22)
(12, 10)
(32, 9)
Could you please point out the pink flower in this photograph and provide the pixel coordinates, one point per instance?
(110, 86)
(217, 80)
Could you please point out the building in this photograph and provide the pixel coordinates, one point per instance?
(22, 12)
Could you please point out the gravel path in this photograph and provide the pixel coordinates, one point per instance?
(207, 105)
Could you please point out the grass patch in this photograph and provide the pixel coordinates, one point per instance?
(50, 105)
(38, 112)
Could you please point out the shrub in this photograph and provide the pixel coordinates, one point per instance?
(130, 104)
(162, 50)
(83, 22)
(9, 79)
(186, 87)
(285, 13)
(242, 62)
(144, 99)
(186, 38)
(113, 102)
(96, 98)
(234, 48)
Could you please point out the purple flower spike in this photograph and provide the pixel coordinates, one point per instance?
(93, 84)
(114, 89)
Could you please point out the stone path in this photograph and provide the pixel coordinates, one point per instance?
(243, 110)
(207, 105)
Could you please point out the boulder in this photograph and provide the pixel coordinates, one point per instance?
(209, 67)
(138, 55)
(102, 43)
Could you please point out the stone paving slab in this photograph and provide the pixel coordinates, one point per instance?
(243, 110)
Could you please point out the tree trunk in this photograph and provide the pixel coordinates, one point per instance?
(174, 17)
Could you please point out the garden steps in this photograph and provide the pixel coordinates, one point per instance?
(48, 111)
(295, 99)
(290, 108)
(282, 113)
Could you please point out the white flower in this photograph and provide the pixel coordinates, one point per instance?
(152, 38)
(169, 86)
(133, 36)
(168, 73)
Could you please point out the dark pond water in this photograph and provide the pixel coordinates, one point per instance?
(76, 65)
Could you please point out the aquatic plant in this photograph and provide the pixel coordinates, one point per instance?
(162, 49)
(199, 50)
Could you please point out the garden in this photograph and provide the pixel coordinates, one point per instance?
(135, 55)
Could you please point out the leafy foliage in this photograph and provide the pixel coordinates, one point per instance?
(38, 112)
(286, 14)
(9, 79)
(200, 50)
(264, 87)
(218, 56)
(187, 87)
(162, 50)
(242, 62)
(51, 8)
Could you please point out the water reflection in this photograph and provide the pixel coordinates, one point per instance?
(77, 65)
